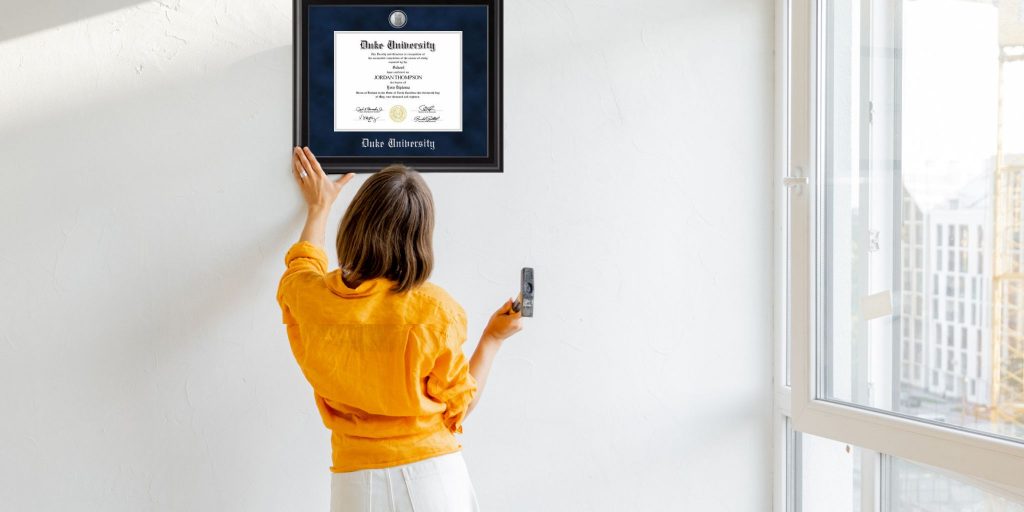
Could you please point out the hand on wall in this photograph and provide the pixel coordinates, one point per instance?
(318, 190)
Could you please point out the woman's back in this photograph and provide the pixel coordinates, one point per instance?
(387, 368)
(382, 347)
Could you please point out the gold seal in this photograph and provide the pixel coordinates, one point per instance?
(397, 113)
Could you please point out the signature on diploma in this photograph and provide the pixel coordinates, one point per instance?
(426, 119)
(427, 109)
(368, 119)
(369, 110)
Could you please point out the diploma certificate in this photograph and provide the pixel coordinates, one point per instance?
(397, 81)
(418, 83)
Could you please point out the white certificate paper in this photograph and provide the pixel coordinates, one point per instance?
(397, 81)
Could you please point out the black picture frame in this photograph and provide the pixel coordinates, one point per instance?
(341, 163)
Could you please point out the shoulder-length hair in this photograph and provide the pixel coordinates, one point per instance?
(388, 230)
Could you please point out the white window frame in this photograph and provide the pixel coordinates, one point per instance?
(782, 495)
(798, 118)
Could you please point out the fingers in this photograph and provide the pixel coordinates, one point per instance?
(297, 169)
(515, 312)
(505, 308)
(311, 158)
(297, 161)
(504, 322)
(306, 165)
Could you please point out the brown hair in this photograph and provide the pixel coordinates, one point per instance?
(388, 230)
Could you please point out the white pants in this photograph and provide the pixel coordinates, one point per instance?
(437, 484)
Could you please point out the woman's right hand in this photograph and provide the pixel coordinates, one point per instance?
(503, 323)
(317, 188)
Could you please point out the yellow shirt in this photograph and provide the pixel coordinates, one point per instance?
(387, 369)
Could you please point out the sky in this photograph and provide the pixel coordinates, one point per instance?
(950, 97)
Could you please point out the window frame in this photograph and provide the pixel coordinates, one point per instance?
(799, 87)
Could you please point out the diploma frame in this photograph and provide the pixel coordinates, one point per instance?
(342, 163)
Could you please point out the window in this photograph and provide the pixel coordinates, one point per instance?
(915, 488)
(892, 138)
(827, 474)
(878, 131)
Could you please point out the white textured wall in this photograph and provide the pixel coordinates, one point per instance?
(146, 205)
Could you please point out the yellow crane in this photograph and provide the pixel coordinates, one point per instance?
(1007, 392)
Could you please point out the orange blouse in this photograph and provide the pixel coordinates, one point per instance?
(387, 369)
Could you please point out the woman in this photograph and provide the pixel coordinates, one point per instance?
(382, 347)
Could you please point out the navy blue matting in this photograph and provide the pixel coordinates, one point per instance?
(324, 20)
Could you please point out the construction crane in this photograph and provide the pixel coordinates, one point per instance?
(1007, 391)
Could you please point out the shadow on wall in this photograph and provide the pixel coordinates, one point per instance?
(157, 238)
(29, 17)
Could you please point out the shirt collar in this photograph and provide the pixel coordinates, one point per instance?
(365, 288)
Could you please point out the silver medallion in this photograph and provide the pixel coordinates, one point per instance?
(398, 19)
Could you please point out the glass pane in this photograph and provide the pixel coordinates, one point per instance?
(828, 475)
(915, 488)
(922, 139)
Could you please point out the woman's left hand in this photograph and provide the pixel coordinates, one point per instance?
(319, 190)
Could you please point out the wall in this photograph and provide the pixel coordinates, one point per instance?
(147, 203)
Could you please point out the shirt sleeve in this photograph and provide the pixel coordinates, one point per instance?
(302, 261)
(450, 381)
